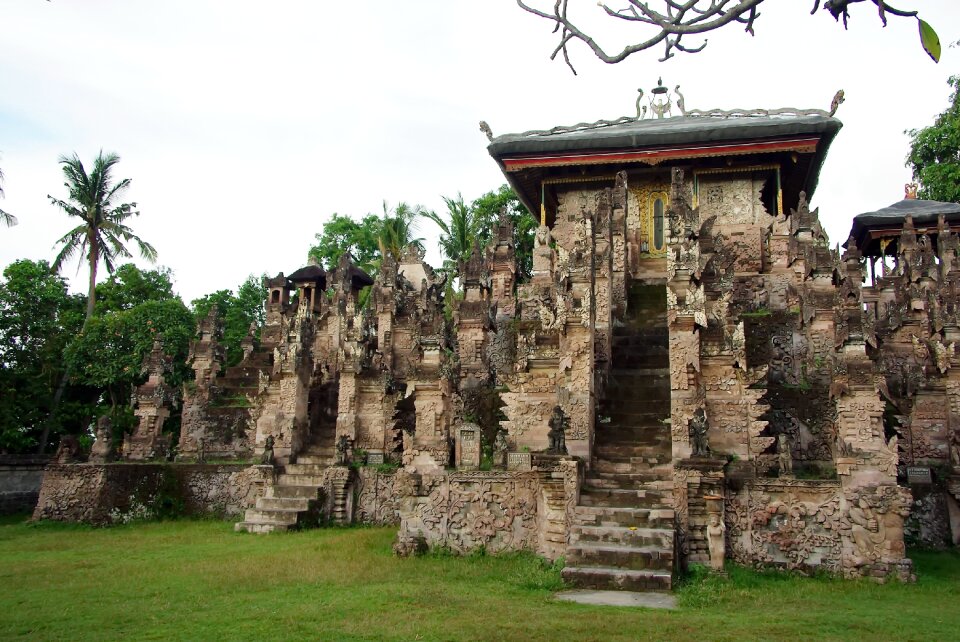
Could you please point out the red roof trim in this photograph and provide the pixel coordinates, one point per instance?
(654, 156)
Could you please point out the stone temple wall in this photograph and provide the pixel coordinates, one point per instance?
(494, 510)
(20, 479)
(115, 493)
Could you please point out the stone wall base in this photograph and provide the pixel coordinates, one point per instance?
(118, 493)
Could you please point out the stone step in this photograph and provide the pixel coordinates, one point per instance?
(282, 491)
(637, 558)
(316, 460)
(647, 452)
(258, 528)
(228, 389)
(315, 481)
(271, 516)
(630, 465)
(304, 468)
(318, 450)
(633, 435)
(623, 498)
(649, 417)
(280, 503)
(623, 536)
(613, 516)
(601, 578)
(228, 411)
(633, 481)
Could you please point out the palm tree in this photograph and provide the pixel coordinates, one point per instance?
(459, 232)
(102, 232)
(8, 219)
(397, 229)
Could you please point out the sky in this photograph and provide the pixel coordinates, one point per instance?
(245, 125)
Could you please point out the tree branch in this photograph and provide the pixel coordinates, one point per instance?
(678, 19)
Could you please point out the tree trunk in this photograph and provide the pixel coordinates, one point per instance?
(91, 300)
(92, 290)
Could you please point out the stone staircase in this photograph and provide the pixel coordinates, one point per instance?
(294, 499)
(622, 536)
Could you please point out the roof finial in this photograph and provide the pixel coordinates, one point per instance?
(485, 128)
(835, 103)
(910, 191)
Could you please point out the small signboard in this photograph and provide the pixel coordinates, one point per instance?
(518, 461)
(374, 458)
(919, 475)
(468, 448)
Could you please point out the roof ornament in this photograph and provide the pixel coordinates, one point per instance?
(836, 102)
(910, 191)
(660, 102)
(485, 128)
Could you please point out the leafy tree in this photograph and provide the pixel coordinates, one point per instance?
(397, 229)
(108, 353)
(93, 198)
(487, 210)
(342, 234)
(370, 238)
(668, 21)
(130, 286)
(459, 231)
(37, 319)
(239, 311)
(8, 219)
(935, 152)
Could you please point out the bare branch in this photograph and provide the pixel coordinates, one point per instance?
(678, 18)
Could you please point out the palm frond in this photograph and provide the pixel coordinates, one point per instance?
(72, 241)
(92, 198)
(8, 219)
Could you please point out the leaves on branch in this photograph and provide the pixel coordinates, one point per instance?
(930, 40)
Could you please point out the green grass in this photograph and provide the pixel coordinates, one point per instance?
(197, 580)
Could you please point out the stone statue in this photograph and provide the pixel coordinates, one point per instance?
(266, 458)
(716, 532)
(68, 451)
(783, 455)
(955, 448)
(343, 450)
(102, 450)
(698, 427)
(557, 434)
(500, 449)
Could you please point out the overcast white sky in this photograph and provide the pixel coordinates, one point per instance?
(245, 125)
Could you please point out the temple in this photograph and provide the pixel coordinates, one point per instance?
(691, 373)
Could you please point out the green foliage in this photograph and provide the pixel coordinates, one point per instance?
(342, 234)
(130, 286)
(6, 218)
(239, 311)
(398, 229)
(37, 319)
(108, 353)
(487, 209)
(935, 152)
(370, 238)
(460, 231)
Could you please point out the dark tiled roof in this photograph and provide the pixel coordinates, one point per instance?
(311, 273)
(894, 216)
(680, 130)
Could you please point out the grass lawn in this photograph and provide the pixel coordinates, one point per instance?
(198, 580)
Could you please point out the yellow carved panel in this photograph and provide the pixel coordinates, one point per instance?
(653, 200)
